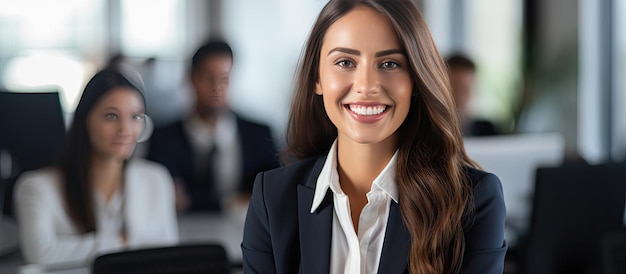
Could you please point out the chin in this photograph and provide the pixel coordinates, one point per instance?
(367, 140)
(370, 137)
(123, 155)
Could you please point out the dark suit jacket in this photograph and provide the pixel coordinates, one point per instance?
(282, 236)
(170, 146)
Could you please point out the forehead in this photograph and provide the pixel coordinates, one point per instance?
(120, 96)
(215, 60)
(362, 28)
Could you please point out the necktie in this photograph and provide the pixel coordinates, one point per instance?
(205, 195)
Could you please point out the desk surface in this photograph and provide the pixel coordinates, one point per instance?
(225, 229)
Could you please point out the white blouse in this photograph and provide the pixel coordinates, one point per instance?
(48, 235)
(109, 214)
(360, 252)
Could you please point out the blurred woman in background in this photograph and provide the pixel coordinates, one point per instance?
(98, 199)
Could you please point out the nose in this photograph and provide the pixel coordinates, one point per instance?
(124, 127)
(365, 81)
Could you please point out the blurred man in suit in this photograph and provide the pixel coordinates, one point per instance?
(463, 78)
(214, 154)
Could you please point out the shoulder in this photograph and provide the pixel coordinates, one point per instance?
(485, 184)
(149, 179)
(170, 130)
(139, 169)
(278, 182)
(300, 169)
(45, 181)
(244, 122)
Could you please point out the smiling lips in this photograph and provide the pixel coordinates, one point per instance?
(367, 113)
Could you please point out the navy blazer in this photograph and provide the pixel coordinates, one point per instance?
(282, 236)
(171, 147)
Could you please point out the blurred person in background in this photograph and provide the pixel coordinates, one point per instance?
(98, 199)
(215, 153)
(463, 80)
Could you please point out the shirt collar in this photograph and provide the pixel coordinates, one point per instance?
(203, 137)
(329, 178)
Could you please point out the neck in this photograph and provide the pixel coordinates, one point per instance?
(207, 115)
(106, 175)
(359, 164)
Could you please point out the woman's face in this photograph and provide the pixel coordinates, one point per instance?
(115, 123)
(364, 77)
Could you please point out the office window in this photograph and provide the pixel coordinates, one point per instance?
(493, 37)
(267, 38)
(50, 45)
(619, 81)
(490, 32)
(150, 28)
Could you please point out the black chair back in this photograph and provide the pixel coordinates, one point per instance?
(32, 132)
(180, 259)
(614, 252)
(574, 206)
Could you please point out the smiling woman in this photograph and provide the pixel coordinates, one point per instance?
(382, 183)
(366, 89)
(97, 199)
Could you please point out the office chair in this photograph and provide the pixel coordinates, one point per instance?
(574, 206)
(614, 252)
(180, 259)
(32, 130)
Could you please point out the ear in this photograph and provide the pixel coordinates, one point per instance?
(318, 88)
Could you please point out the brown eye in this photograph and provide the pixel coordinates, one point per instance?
(345, 64)
(389, 65)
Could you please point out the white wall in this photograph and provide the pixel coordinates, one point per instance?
(267, 38)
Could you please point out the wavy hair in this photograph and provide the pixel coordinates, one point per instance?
(436, 198)
(75, 163)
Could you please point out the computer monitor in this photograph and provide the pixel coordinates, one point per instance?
(515, 159)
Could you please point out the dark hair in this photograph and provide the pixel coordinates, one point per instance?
(435, 195)
(211, 48)
(76, 159)
(460, 61)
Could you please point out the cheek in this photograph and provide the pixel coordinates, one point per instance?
(338, 82)
(97, 133)
(138, 129)
(403, 88)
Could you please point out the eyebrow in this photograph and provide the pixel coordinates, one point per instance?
(356, 52)
(389, 52)
(141, 110)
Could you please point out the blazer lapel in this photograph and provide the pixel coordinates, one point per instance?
(397, 245)
(315, 228)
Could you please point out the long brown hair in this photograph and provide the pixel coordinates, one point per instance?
(436, 198)
(75, 163)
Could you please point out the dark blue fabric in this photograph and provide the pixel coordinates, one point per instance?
(282, 236)
(170, 146)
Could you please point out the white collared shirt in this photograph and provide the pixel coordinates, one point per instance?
(225, 137)
(360, 252)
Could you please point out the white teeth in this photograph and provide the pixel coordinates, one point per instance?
(367, 111)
